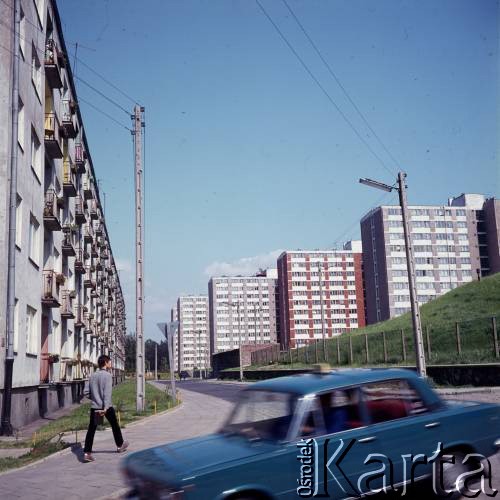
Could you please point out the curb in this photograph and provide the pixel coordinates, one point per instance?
(69, 449)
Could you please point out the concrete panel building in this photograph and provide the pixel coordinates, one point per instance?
(453, 244)
(193, 351)
(69, 304)
(243, 309)
(320, 292)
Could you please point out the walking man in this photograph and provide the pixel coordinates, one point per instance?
(100, 387)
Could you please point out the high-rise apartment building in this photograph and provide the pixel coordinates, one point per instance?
(321, 293)
(69, 306)
(243, 309)
(193, 346)
(453, 244)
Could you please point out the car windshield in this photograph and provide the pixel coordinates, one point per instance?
(262, 415)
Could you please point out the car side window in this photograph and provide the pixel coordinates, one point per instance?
(391, 400)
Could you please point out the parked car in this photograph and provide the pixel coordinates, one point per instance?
(340, 433)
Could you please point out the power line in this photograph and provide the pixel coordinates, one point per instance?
(328, 96)
(106, 80)
(102, 95)
(103, 113)
(332, 73)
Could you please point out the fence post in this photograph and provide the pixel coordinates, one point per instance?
(403, 344)
(338, 351)
(495, 336)
(316, 350)
(366, 348)
(350, 351)
(457, 334)
(307, 353)
(385, 347)
(428, 338)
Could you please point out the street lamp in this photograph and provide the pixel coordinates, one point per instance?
(255, 309)
(320, 277)
(400, 187)
(237, 305)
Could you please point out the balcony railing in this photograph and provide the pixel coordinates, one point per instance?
(68, 243)
(50, 295)
(69, 177)
(68, 125)
(88, 233)
(52, 139)
(88, 280)
(51, 211)
(79, 210)
(53, 58)
(88, 187)
(80, 261)
(80, 157)
(98, 228)
(93, 209)
(80, 319)
(67, 305)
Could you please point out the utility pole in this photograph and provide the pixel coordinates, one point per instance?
(410, 266)
(410, 263)
(320, 273)
(199, 355)
(156, 361)
(5, 424)
(139, 287)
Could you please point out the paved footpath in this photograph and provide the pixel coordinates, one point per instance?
(64, 476)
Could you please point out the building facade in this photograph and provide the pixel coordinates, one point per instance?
(453, 244)
(243, 309)
(193, 346)
(69, 304)
(321, 293)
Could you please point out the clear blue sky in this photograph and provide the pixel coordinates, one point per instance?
(246, 155)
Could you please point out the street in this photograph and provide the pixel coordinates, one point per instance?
(205, 406)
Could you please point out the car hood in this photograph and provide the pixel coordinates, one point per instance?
(184, 460)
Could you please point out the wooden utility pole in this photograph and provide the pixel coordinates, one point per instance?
(139, 286)
(320, 276)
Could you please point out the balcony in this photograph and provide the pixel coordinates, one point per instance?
(104, 254)
(88, 281)
(80, 261)
(88, 187)
(98, 264)
(51, 211)
(52, 139)
(79, 210)
(93, 209)
(50, 295)
(52, 62)
(88, 233)
(68, 125)
(80, 158)
(80, 318)
(88, 321)
(98, 228)
(69, 177)
(67, 305)
(68, 243)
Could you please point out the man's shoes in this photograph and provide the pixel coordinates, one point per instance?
(87, 457)
(123, 447)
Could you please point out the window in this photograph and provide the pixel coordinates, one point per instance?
(34, 240)
(36, 71)
(36, 157)
(16, 326)
(19, 221)
(20, 125)
(391, 400)
(56, 338)
(31, 331)
(22, 35)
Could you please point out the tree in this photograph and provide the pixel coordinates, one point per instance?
(130, 345)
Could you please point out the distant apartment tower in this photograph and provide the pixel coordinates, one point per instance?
(453, 244)
(174, 317)
(193, 334)
(243, 308)
(301, 301)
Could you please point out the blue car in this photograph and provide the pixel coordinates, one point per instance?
(330, 434)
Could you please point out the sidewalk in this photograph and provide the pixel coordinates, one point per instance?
(65, 476)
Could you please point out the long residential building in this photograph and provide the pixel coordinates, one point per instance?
(69, 305)
(453, 244)
(321, 293)
(243, 309)
(193, 346)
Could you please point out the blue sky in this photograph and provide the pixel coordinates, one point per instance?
(245, 154)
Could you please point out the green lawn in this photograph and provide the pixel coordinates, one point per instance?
(471, 306)
(47, 438)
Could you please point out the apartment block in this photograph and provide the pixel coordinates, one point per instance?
(69, 304)
(174, 317)
(453, 244)
(243, 309)
(320, 293)
(193, 351)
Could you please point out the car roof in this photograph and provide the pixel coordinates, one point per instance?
(310, 383)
